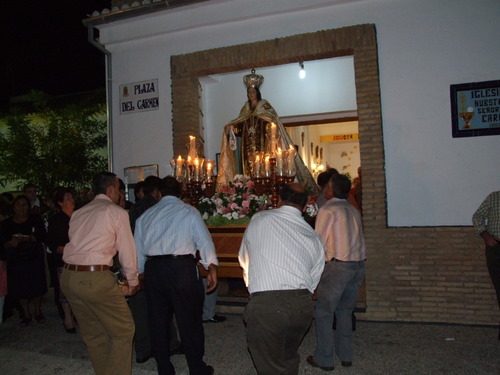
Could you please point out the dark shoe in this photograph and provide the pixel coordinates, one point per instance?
(215, 319)
(70, 330)
(210, 370)
(40, 319)
(346, 363)
(310, 360)
(142, 359)
(25, 322)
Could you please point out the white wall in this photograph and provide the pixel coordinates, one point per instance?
(424, 47)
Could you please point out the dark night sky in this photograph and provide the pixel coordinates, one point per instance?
(45, 47)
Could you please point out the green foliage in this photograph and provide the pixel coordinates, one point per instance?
(54, 144)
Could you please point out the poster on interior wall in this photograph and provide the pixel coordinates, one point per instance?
(133, 175)
(475, 109)
(139, 97)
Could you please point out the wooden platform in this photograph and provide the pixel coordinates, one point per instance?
(227, 241)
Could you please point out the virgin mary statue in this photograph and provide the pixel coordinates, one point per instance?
(250, 133)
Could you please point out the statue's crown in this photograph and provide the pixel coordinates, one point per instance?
(253, 80)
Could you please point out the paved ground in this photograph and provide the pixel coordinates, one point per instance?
(380, 348)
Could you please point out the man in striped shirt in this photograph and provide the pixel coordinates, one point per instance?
(339, 225)
(282, 261)
(486, 221)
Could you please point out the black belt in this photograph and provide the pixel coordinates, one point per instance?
(171, 256)
(346, 261)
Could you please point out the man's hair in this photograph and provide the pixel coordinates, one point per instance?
(27, 186)
(290, 195)
(102, 181)
(137, 188)
(150, 184)
(170, 186)
(325, 176)
(341, 185)
(58, 195)
(122, 184)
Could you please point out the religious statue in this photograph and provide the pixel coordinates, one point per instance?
(257, 129)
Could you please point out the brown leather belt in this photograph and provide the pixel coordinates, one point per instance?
(76, 267)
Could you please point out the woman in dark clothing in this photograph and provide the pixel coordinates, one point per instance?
(22, 237)
(57, 238)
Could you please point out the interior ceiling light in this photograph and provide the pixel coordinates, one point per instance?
(302, 73)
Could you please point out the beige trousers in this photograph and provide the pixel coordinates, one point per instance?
(105, 321)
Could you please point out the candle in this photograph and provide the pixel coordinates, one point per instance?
(257, 163)
(273, 137)
(279, 162)
(196, 168)
(267, 164)
(178, 166)
(209, 168)
(291, 154)
(290, 160)
(192, 147)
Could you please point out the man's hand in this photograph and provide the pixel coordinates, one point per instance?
(128, 290)
(211, 278)
(489, 240)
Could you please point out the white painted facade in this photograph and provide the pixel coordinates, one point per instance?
(424, 46)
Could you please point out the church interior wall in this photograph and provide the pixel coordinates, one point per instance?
(425, 264)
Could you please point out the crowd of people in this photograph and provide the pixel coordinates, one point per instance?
(127, 274)
(77, 240)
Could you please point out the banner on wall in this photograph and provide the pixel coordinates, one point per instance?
(339, 137)
(475, 109)
(139, 97)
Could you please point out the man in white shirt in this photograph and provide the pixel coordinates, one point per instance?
(339, 225)
(167, 237)
(282, 260)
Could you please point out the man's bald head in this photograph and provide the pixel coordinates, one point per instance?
(293, 194)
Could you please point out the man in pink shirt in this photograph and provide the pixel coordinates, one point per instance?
(339, 225)
(97, 232)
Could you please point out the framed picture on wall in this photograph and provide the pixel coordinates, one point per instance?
(135, 174)
(475, 109)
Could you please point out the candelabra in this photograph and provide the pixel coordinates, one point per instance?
(194, 173)
(278, 169)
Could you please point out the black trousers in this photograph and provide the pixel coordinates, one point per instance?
(142, 343)
(174, 287)
(493, 263)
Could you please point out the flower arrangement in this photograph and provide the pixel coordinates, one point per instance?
(234, 203)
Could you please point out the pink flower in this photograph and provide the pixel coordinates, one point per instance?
(234, 206)
(245, 203)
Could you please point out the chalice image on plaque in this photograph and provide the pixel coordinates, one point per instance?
(467, 116)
